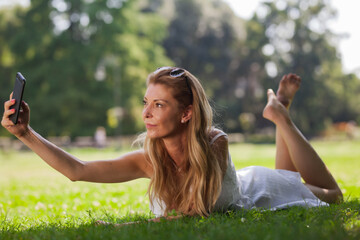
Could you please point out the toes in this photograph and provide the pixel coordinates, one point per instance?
(294, 77)
(270, 92)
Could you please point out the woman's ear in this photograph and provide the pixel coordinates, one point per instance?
(187, 114)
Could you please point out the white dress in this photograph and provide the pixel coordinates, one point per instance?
(257, 187)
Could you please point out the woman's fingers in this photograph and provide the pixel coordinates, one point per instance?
(25, 107)
(6, 122)
(10, 112)
(7, 110)
(8, 104)
(24, 113)
(23, 116)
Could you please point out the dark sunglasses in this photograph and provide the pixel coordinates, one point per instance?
(177, 72)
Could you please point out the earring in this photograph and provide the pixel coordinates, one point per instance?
(182, 121)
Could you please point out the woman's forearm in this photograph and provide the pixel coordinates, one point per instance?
(57, 158)
(326, 195)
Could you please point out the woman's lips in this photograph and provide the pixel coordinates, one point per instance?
(150, 125)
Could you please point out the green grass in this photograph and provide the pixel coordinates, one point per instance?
(38, 203)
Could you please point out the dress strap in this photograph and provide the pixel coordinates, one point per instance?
(221, 133)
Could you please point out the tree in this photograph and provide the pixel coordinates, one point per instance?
(300, 42)
(238, 60)
(83, 59)
(206, 38)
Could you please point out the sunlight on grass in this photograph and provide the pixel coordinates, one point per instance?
(35, 199)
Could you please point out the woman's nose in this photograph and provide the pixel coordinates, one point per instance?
(147, 112)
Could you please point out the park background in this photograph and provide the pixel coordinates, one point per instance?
(86, 62)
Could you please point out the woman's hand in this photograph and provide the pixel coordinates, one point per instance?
(22, 126)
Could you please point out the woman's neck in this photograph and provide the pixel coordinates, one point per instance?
(176, 148)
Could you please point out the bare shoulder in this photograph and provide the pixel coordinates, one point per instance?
(141, 160)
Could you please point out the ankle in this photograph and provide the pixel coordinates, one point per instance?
(283, 119)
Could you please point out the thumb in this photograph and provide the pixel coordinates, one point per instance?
(25, 107)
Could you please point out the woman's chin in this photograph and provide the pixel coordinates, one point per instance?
(152, 135)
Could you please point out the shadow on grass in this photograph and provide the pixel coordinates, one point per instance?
(334, 222)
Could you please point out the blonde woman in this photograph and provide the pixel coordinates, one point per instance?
(187, 160)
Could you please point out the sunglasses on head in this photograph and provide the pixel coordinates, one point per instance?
(177, 72)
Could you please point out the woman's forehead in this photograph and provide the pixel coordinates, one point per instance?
(159, 91)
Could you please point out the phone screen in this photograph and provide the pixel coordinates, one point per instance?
(17, 95)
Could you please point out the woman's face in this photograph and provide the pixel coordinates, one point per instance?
(162, 114)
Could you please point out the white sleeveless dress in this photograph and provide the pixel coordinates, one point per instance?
(257, 187)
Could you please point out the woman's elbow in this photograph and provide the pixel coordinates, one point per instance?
(331, 196)
(73, 177)
(338, 196)
(334, 196)
(77, 173)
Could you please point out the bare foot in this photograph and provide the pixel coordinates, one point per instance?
(288, 86)
(274, 110)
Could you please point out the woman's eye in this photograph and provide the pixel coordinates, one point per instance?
(144, 102)
(159, 105)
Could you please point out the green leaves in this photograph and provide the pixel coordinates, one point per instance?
(84, 58)
(60, 45)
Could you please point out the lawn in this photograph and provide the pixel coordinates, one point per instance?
(38, 203)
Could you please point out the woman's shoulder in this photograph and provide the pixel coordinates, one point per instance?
(219, 145)
(217, 134)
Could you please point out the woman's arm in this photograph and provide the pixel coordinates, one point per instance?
(127, 167)
(326, 195)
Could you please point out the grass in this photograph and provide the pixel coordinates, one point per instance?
(38, 203)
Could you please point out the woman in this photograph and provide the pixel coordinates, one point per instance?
(187, 159)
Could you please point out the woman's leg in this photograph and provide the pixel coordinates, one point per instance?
(282, 158)
(288, 86)
(303, 157)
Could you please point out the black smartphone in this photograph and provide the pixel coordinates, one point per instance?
(18, 92)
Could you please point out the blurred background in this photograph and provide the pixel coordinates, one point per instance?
(86, 62)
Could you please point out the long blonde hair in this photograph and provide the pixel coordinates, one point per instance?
(200, 186)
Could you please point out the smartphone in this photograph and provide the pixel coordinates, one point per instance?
(18, 92)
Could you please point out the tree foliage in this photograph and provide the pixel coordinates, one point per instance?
(86, 61)
(82, 60)
(282, 37)
(299, 41)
